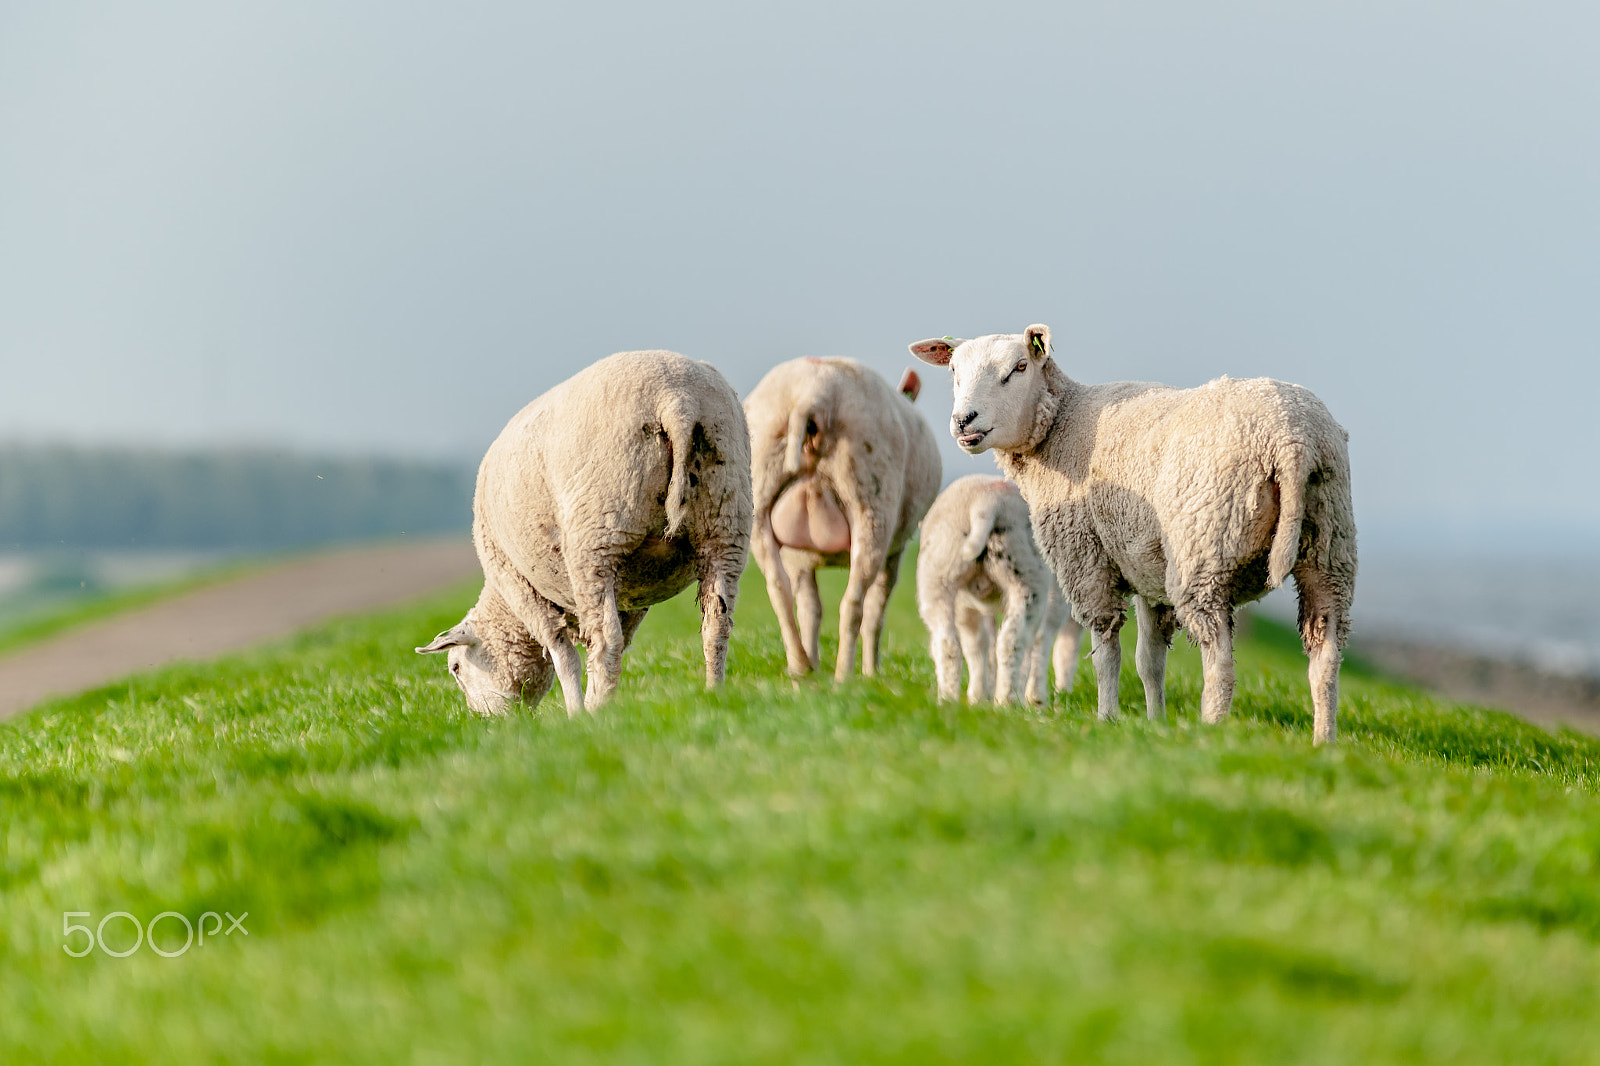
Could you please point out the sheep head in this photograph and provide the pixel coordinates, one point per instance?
(998, 382)
(493, 670)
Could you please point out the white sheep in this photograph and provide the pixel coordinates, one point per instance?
(1059, 639)
(976, 554)
(1197, 500)
(607, 494)
(844, 468)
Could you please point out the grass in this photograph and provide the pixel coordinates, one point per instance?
(774, 873)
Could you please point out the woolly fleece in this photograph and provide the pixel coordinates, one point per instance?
(1197, 500)
(607, 494)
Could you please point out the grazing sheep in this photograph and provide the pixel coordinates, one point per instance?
(1197, 500)
(977, 554)
(844, 469)
(607, 494)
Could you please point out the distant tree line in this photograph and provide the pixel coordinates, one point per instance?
(101, 497)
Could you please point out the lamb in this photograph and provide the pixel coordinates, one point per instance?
(607, 494)
(1062, 635)
(843, 469)
(977, 554)
(1196, 500)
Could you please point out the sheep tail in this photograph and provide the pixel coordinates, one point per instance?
(678, 425)
(794, 445)
(982, 517)
(1292, 476)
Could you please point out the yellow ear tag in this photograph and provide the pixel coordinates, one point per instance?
(1038, 344)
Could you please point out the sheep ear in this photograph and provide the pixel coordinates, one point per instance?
(1037, 338)
(936, 351)
(462, 633)
(910, 385)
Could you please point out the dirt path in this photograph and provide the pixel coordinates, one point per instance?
(230, 615)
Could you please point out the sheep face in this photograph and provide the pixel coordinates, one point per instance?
(473, 666)
(998, 381)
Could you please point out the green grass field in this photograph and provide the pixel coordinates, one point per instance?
(781, 874)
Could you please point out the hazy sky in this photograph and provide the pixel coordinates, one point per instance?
(387, 226)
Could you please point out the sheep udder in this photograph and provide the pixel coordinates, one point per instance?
(807, 515)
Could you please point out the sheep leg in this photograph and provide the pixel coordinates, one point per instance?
(973, 626)
(719, 589)
(1214, 634)
(1106, 651)
(1038, 693)
(600, 626)
(764, 546)
(1093, 585)
(1019, 624)
(866, 564)
(808, 601)
(986, 639)
(1157, 623)
(1324, 678)
(940, 619)
(569, 671)
(1324, 624)
(1008, 649)
(872, 614)
(1064, 655)
(1053, 613)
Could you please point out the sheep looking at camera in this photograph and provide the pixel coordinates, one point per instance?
(844, 468)
(1197, 500)
(976, 555)
(609, 493)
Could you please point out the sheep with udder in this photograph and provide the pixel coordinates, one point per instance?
(1195, 500)
(977, 555)
(609, 493)
(844, 468)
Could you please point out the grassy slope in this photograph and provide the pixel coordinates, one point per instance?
(772, 874)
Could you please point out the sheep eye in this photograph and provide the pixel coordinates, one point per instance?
(1020, 367)
(455, 668)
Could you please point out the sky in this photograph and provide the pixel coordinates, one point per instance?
(384, 227)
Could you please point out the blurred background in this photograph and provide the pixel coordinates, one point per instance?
(82, 522)
(276, 273)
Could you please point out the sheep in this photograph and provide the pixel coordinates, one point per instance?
(843, 470)
(976, 554)
(607, 494)
(1196, 500)
(1055, 646)
(1062, 635)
